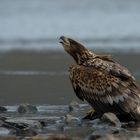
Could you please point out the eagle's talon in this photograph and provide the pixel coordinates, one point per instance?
(91, 115)
(91, 112)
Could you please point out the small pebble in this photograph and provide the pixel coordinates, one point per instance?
(69, 119)
(2, 109)
(27, 108)
(73, 106)
(26, 132)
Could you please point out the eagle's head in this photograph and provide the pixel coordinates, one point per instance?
(75, 49)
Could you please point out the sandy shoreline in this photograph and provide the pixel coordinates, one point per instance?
(42, 78)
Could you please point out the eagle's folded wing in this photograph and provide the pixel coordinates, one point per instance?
(112, 67)
(105, 84)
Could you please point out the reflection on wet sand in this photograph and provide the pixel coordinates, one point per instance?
(42, 78)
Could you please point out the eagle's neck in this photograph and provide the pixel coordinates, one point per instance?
(82, 55)
(77, 50)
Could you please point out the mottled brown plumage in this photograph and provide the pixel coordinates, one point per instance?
(103, 83)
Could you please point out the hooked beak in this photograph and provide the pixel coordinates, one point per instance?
(64, 40)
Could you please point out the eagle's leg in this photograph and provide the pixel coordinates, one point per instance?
(91, 115)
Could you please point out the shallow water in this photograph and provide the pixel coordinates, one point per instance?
(54, 119)
(42, 78)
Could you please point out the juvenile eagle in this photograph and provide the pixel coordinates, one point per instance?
(103, 83)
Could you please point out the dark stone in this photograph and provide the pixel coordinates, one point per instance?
(105, 137)
(43, 123)
(126, 118)
(11, 125)
(2, 109)
(27, 108)
(73, 106)
(25, 132)
(94, 137)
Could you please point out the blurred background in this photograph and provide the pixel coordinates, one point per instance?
(34, 66)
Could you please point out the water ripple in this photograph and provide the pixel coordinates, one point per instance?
(49, 108)
(32, 73)
(39, 73)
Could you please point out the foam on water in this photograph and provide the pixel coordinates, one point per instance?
(49, 108)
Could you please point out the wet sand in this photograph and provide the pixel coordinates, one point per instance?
(42, 77)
